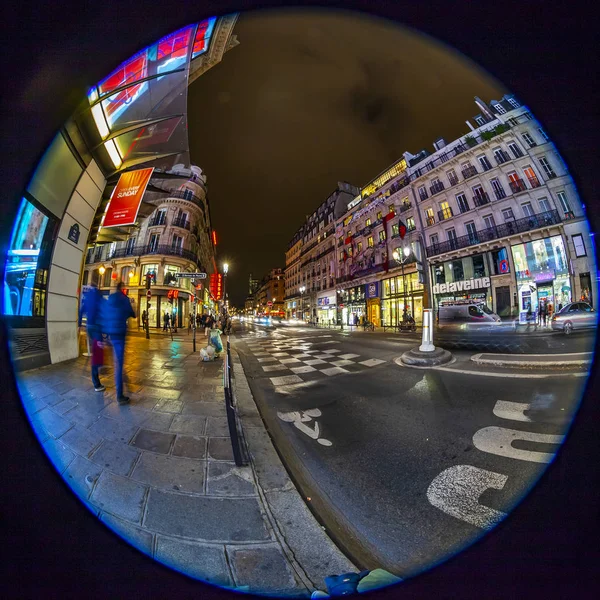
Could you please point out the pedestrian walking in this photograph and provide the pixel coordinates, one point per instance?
(92, 308)
(167, 322)
(114, 324)
(144, 320)
(544, 313)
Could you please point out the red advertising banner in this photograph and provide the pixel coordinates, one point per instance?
(126, 198)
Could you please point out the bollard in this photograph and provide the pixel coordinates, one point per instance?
(427, 340)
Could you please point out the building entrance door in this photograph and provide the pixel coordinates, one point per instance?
(503, 301)
(374, 312)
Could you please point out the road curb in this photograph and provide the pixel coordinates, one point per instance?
(305, 544)
(495, 360)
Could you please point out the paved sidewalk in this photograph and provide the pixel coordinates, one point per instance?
(160, 471)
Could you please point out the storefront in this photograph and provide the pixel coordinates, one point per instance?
(353, 305)
(542, 273)
(326, 308)
(394, 297)
(373, 303)
(178, 306)
(467, 278)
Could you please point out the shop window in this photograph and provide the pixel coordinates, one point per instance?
(500, 264)
(478, 266)
(579, 245)
(440, 274)
(458, 272)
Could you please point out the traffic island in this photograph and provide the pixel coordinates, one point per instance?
(429, 358)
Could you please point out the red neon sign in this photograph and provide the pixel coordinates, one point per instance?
(216, 286)
(214, 237)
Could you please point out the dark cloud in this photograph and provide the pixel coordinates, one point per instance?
(307, 99)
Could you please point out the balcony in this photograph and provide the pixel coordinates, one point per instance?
(500, 193)
(469, 172)
(453, 180)
(430, 221)
(436, 188)
(405, 206)
(159, 249)
(516, 151)
(183, 223)
(545, 219)
(485, 164)
(423, 194)
(534, 182)
(481, 199)
(518, 185)
(444, 214)
(160, 219)
(501, 157)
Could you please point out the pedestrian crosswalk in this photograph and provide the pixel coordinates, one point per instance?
(286, 359)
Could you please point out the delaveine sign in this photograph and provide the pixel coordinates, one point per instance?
(461, 286)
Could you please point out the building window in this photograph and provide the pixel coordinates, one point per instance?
(433, 239)
(498, 189)
(508, 214)
(531, 177)
(395, 230)
(147, 269)
(513, 103)
(382, 236)
(379, 215)
(484, 162)
(478, 266)
(544, 205)
(452, 178)
(547, 168)
(130, 245)
(463, 205)
(458, 271)
(154, 242)
(489, 221)
(479, 120)
(359, 247)
(342, 255)
(429, 218)
(422, 192)
(515, 150)
(529, 140)
(451, 234)
(579, 245)
(543, 134)
(471, 232)
(564, 203)
(527, 209)
(176, 242)
(368, 222)
(391, 209)
(370, 241)
(501, 110)
(445, 211)
(410, 224)
(500, 156)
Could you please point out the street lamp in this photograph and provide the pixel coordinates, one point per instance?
(302, 289)
(401, 260)
(225, 271)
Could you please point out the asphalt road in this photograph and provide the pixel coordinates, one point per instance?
(404, 467)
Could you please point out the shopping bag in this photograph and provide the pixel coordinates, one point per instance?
(97, 353)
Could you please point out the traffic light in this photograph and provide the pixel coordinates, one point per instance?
(150, 279)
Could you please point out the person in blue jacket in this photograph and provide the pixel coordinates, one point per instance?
(91, 306)
(114, 324)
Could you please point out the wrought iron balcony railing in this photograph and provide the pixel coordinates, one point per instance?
(534, 182)
(517, 186)
(481, 199)
(444, 214)
(149, 249)
(183, 223)
(436, 188)
(501, 157)
(544, 219)
(158, 220)
(469, 172)
(500, 193)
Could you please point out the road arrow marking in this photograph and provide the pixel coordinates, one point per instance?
(512, 410)
(498, 440)
(456, 492)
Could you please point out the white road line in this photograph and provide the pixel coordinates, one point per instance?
(505, 375)
(332, 351)
(306, 369)
(498, 440)
(512, 410)
(372, 362)
(334, 371)
(323, 356)
(279, 354)
(289, 361)
(456, 492)
(347, 356)
(315, 361)
(302, 356)
(269, 368)
(262, 360)
(290, 389)
(286, 380)
(342, 363)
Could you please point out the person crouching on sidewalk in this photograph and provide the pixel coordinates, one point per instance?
(118, 310)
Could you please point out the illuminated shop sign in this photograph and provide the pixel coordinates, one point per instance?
(460, 286)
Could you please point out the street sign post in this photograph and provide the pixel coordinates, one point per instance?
(190, 275)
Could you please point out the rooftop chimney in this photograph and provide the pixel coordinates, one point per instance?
(470, 126)
(484, 108)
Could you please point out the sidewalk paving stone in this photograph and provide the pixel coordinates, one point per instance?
(116, 457)
(139, 538)
(169, 406)
(203, 561)
(263, 569)
(142, 401)
(81, 476)
(82, 416)
(159, 421)
(33, 404)
(219, 448)
(170, 472)
(132, 414)
(120, 496)
(189, 446)
(59, 453)
(205, 518)
(81, 440)
(159, 392)
(217, 427)
(114, 430)
(188, 423)
(226, 479)
(46, 423)
(155, 441)
(204, 409)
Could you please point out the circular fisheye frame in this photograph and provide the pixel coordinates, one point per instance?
(335, 356)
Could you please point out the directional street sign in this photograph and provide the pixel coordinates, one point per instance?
(191, 275)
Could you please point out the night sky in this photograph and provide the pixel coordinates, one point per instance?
(307, 99)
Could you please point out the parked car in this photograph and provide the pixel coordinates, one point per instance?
(466, 315)
(576, 315)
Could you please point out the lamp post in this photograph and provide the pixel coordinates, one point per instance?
(101, 270)
(225, 271)
(401, 260)
(302, 289)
